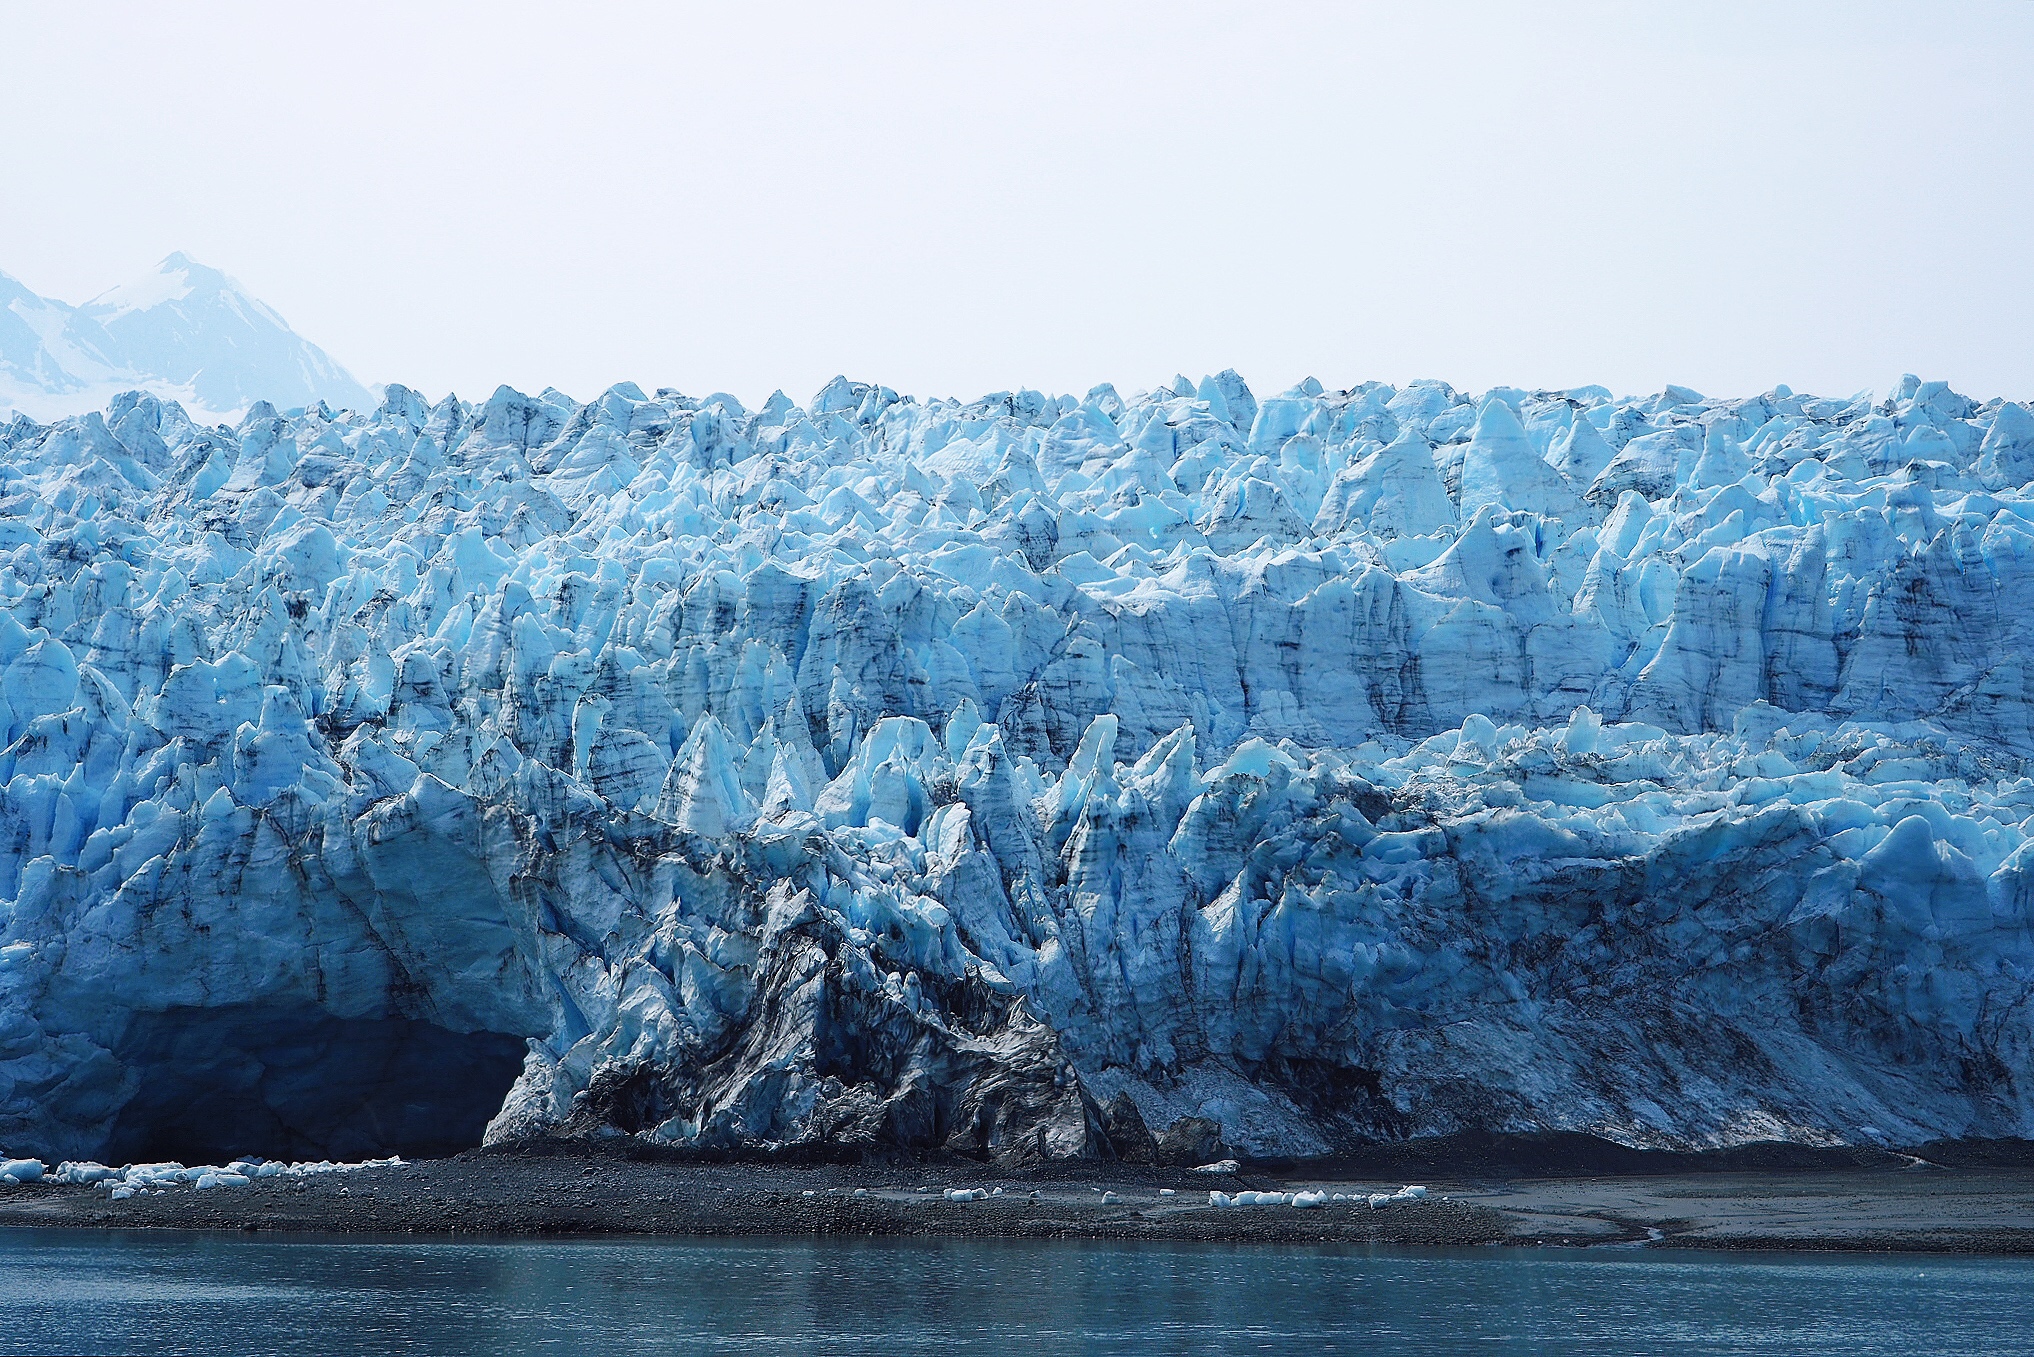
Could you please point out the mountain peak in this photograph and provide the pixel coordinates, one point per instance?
(174, 279)
(169, 281)
(183, 327)
(201, 276)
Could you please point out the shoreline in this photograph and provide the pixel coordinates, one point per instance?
(1892, 1203)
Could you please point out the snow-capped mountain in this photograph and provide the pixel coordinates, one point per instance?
(184, 332)
(1027, 777)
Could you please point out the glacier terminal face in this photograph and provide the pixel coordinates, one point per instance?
(1027, 778)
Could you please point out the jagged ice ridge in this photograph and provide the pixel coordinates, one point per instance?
(1037, 776)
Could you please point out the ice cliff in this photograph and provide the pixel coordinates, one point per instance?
(1030, 777)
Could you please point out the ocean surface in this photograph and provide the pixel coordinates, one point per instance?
(113, 1292)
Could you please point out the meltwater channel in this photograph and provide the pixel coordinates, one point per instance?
(158, 1293)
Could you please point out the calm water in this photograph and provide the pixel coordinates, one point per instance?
(108, 1293)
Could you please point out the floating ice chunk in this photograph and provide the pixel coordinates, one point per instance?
(327, 1166)
(1263, 1199)
(238, 1174)
(1308, 1201)
(1110, 1199)
(966, 1194)
(1409, 1194)
(1168, 1192)
(17, 1171)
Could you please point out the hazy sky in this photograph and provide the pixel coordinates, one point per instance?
(956, 198)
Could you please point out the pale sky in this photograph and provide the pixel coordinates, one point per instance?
(954, 199)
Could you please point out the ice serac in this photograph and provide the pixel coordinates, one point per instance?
(1024, 778)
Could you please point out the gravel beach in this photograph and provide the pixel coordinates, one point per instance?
(1894, 1203)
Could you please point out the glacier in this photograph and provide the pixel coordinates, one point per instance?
(1024, 778)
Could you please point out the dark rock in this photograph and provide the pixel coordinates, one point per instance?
(1128, 1136)
(1190, 1141)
